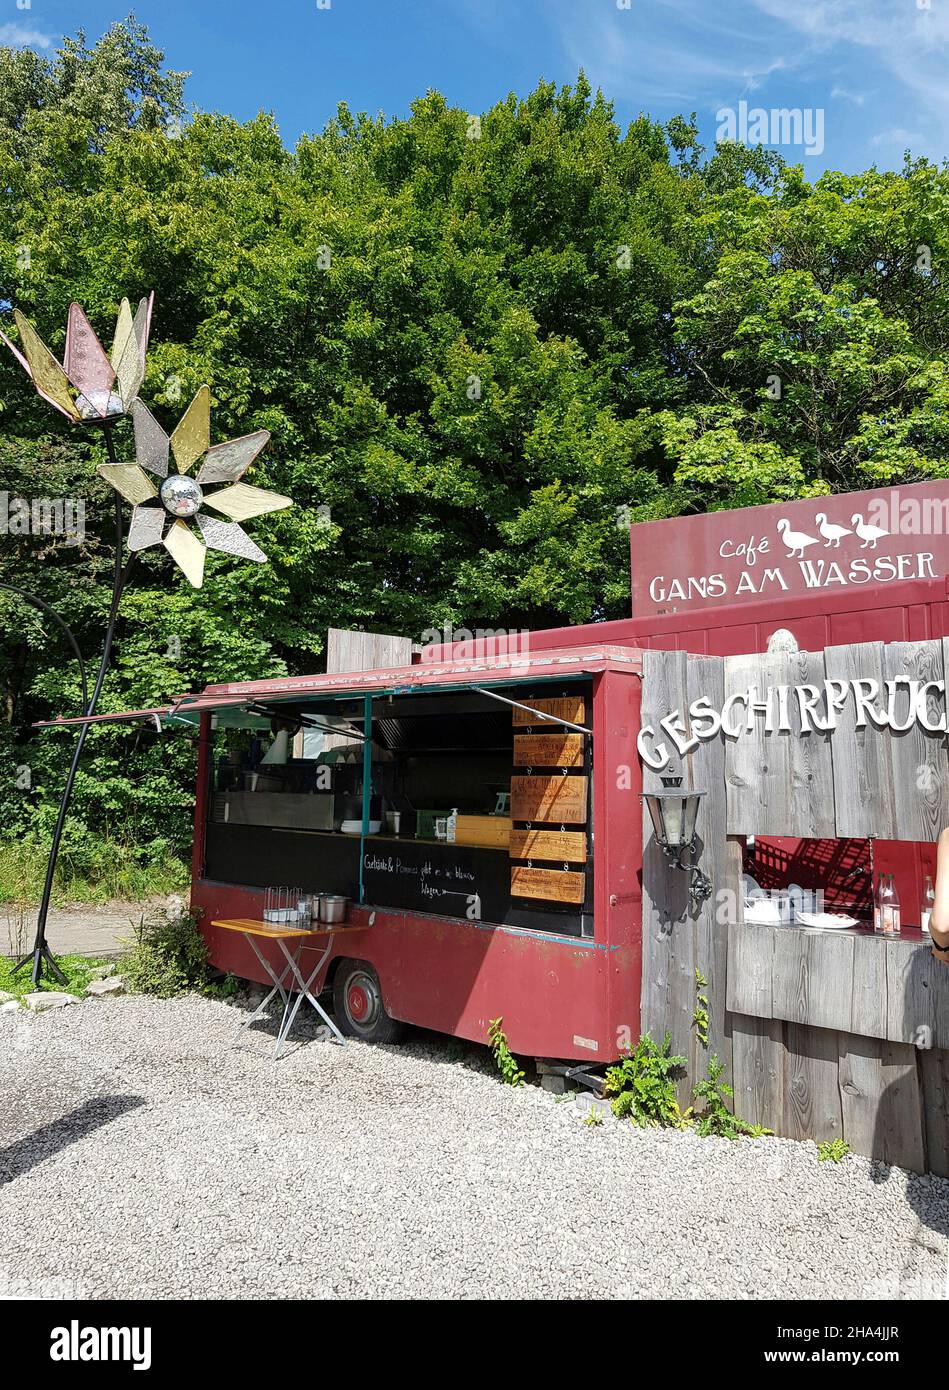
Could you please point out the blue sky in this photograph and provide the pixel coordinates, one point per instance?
(876, 69)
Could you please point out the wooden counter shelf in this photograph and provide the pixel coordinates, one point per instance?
(854, 981)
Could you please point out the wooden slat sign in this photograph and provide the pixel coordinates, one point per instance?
(570, 707)
(548, 750)
(563, 846)
(550, 884)
(562, 799)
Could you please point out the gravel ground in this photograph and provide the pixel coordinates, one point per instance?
(142, 1155)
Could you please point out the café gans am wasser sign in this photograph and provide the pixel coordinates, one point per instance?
(895, 704)
(785, 549)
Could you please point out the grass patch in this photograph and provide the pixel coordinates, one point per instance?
(79, 970)
(90, 872)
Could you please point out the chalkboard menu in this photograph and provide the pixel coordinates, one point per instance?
(451, 880)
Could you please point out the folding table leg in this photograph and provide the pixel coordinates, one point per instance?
(304, 990)
(278, 986)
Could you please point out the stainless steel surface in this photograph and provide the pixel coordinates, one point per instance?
(333, 908)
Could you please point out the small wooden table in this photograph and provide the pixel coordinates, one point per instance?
(283, 984)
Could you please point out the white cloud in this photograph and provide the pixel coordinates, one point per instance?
(687, 55)
(910, 43)
(898, 138)
(755, 78)
(842, 94)
(19, 36)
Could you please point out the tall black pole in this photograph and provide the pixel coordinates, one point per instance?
(41, 954)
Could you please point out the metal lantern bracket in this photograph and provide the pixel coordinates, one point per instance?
(675, 834)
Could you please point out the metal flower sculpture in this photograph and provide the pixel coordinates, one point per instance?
(105, 385)
(94, 387)
(180, 498)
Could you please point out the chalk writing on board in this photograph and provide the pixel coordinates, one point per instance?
(434, 881)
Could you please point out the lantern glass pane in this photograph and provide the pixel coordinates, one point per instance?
(655, 815)
(673, 813)
(691, 815)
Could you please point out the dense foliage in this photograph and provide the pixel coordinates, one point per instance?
(476, 341)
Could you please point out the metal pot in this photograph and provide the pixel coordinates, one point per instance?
(333, 908)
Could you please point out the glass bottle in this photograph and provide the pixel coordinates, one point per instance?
(929, 902)
(891, 908)
(878, 904)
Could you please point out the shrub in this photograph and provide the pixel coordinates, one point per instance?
(643, 1085)
(89, 869)
(168, 955)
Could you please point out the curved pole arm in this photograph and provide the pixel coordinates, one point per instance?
(44, 607)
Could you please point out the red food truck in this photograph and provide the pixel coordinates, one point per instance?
(480, 805)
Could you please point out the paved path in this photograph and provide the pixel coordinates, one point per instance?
(79, 929)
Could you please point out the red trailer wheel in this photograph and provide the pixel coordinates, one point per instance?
(357, 1003)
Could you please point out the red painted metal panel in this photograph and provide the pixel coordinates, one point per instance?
(617, 865)
(873, 614)
(909, 863)
(202, 793)
(454, 976)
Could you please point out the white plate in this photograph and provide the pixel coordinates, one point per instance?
(354, 827)
(827, 921)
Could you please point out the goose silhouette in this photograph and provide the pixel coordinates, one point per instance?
(796, 541)
(832, 534)
(868, 533)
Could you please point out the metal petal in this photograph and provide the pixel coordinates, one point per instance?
(48, 376)
(144, 319)
(151, 442)
(86, 361)
(130, 368)
(226, 536)
(123, 330)
(128, 479)
(187, 551)
(146, 528)
(192, 437)
(242, 501)
(226, 463)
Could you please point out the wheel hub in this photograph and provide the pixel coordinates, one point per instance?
(362, 1000)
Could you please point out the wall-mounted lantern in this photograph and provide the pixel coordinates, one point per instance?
(673, 812)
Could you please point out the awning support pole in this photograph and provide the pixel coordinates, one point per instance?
(366, 791)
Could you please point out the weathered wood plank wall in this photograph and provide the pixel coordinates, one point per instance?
(850, 782)
(823, 1035)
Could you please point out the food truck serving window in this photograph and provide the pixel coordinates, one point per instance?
(465, 804)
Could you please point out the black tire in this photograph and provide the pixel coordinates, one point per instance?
(358, 1007)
